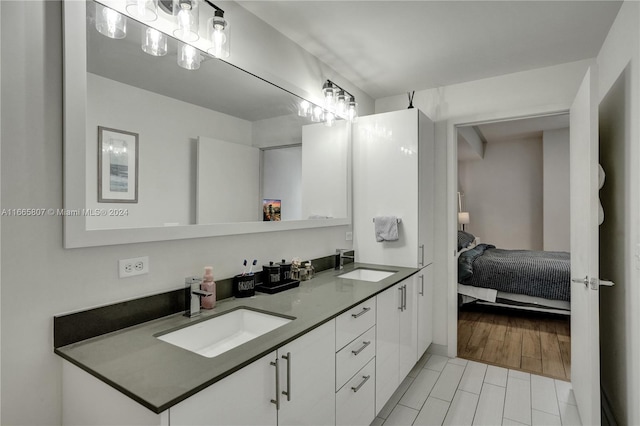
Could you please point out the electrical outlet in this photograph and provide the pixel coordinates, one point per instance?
(348, 236)
(132, 267)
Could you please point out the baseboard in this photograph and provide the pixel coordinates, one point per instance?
(606, 413)
(436, 349)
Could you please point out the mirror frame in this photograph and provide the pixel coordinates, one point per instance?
(74, 161)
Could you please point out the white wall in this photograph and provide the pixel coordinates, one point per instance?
(39, 277)
(551, 88)
(556, 215)
(620, 305)
(166, 150)
(503, 194)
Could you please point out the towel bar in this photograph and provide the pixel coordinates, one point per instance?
(397, 220)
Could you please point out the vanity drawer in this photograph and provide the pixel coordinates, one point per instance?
(354, 356)
(354, 322)
(355, 401)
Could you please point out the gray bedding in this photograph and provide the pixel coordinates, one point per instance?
(544, 274)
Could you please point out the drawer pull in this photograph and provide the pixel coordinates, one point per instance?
(364, 311)
(364, 345)
(357, 388)
(288, 391)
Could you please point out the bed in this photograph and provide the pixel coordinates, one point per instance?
(523, 279)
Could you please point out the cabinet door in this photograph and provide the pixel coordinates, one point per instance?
(307, 378)
(242, 398)
(424, 295)
(387, 344)
(408, 328)
(426, 192)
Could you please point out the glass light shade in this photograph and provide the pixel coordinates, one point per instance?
(329, 95)
(352, 110)
(341, 104)
(317, 115)
(154, 42)
(186, 13)
(329, 118)
(144, 10)
(219, 36)
(110, 23)
(189, 57)
(304, 109)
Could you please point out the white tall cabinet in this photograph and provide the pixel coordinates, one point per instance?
(393, 175)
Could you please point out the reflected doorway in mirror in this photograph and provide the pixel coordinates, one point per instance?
(117, 166)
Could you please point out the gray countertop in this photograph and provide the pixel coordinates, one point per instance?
(158, 375)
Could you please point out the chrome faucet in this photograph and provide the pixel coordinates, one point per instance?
(192, 296)
(341, 256)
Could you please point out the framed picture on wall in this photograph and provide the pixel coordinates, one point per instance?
(271, 210)
(117, 166)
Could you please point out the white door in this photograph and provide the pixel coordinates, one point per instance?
(424, 293)
(585, 347)
(408, 327)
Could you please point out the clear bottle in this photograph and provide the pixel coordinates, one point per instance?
(208, 284)
(310, 270)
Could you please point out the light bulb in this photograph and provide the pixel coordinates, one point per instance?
(189, 58)
(219, 35)
(317, 114)
(352, 110)
(154, 42)
(341, 104)
(329, 118)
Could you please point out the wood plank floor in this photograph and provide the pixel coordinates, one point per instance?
(528, 341)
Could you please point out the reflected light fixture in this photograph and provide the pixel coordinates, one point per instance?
(110, 23)
(189, 57)
(154, 42)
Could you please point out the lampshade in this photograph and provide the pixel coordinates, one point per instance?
(110, 23)
(463, 218)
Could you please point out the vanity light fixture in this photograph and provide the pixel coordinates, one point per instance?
(339, 103)
(179, 18)
(110, 23)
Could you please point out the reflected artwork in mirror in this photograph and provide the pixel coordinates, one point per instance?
(213, 142)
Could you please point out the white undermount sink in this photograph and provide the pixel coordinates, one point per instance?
(219, 334)
(362, 274)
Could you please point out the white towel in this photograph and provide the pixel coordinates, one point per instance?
(386, 228)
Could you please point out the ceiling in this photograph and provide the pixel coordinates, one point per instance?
(389, 47)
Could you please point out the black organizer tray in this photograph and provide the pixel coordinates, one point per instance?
(278, 288)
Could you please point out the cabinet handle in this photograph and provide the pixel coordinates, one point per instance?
(421, 254)
(401, 299)
(357, 388)
(364, 345)
(404, 297)
(364, 311)
(421, 285)
(277, 400)
(288, 391)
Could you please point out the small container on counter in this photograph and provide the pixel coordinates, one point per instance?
(271, 275)
(244, 285)
(285, 271)
(208, 284)
(311, 271)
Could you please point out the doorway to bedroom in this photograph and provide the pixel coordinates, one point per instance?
(513, 244)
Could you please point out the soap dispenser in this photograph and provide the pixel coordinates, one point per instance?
(208, 302)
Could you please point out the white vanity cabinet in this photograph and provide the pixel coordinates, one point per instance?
(302, 394)
(396, 337)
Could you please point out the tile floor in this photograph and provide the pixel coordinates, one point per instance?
(443, 391)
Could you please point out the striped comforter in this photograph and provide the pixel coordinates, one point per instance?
(544, 274)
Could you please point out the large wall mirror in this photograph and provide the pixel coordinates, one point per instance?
(155, 152)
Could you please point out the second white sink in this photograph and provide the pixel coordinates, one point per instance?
(362, 274)
(219, 334)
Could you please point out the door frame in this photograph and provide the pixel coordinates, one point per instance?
(452, 200)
